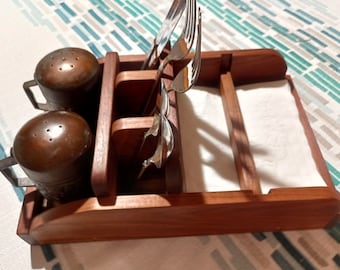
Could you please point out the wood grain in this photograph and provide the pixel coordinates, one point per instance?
(103, 177)
(243, 158)
(180, 214)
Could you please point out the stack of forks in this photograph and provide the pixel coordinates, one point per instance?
(184, 80)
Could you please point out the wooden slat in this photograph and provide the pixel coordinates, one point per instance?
(102, 176)
(140, 216)
(244, 162)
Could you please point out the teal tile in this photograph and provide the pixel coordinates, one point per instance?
(96, 17)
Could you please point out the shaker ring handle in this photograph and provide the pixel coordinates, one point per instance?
(10, 176)
(27, 87)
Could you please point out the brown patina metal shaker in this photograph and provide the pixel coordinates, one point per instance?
(54, 149)
(67, 78)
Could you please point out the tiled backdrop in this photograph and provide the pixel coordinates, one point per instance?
(305, 32)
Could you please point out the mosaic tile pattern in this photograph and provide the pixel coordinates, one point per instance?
(305, 32)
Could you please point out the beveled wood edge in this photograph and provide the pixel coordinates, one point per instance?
(243, 158)
(312, 142)
(135, 75)
(32, 201)
(246, 66)
(144, 201)
(183, 214)
(258, 65)
(102, 177)
(142, 122)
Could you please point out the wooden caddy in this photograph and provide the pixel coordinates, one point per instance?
(156, 206)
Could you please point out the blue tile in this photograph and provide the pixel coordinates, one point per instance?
(131, 11)
(315, 82)
(136, 6)
(298, 16)
(312, 37)
(63, 16)
(106, 13)
(279, 45)
(334, 173)
(335, 68)
(144, 47)
(293, 251)
(121, 40)
(300, 59)
(284, 2)
(331, 34)
(325, 82)
(68, 9)
(333, 30)
(334, 96)
(96, 17)
(281, 260)
(263, 8)
(309, 16)
(94, 49)
(293, 63)
(90, 30)
(48, 252)
(80, 33)
(107, 48)
(119, 18)
(49, 2)
(232, 14)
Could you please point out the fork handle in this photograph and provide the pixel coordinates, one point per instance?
(146, 63)
(145, 165)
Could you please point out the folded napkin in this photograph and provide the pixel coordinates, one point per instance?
(277, 140)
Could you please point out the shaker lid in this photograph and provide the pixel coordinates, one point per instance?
(67, 69)
(51, 140)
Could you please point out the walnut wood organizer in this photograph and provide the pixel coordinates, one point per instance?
(156, 206)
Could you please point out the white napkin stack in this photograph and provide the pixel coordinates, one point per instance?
(277, 140)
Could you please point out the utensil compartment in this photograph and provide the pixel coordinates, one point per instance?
(156, 206)
(130, 122)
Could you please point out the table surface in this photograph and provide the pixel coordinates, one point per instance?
(305, 32)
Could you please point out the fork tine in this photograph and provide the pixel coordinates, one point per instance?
(186, 29)
(193, 67)
(179, 50)
(187, 20)
(197, 57)
(192, 21)
(164, 33)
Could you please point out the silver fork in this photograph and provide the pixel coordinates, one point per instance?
(182, 83)
(188, 76)
(184, 43)
(180, 49)
(165, 144)
(184, 80)
(163, 35)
